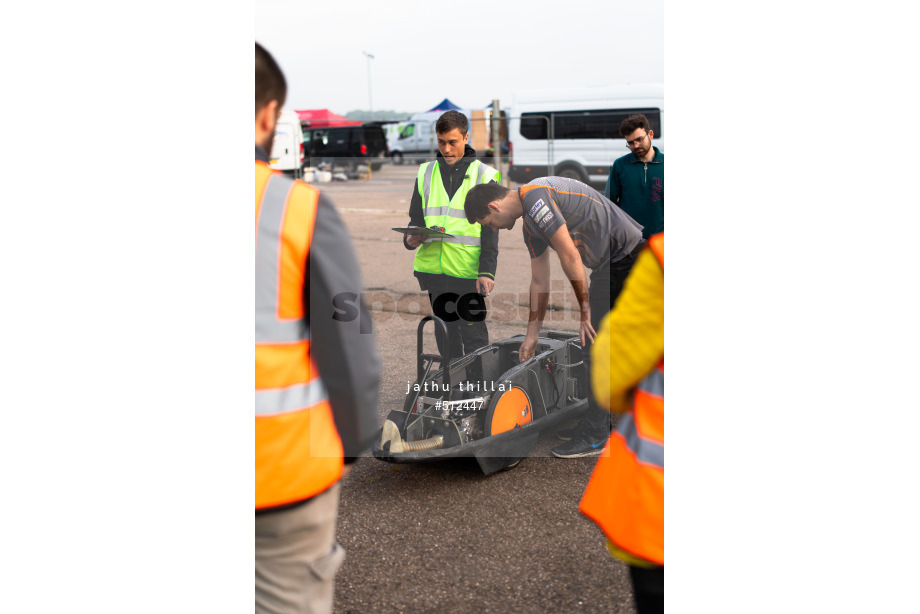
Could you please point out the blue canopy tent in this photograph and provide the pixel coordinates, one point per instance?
(444, 105)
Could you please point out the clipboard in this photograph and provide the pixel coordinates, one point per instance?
(421, 230)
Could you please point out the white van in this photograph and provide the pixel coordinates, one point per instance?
(414, 141)
(576, 132)
(287, 148)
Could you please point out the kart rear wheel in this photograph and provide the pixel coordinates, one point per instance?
(512, 409)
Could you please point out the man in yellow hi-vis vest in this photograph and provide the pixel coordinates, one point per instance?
(316, 378)
(457, 272)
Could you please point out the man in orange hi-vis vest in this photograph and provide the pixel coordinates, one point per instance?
(625, 496)
(316, 378)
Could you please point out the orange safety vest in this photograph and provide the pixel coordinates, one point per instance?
(625, 495)
(298, 449)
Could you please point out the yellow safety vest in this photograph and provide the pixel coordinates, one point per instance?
(457, 256)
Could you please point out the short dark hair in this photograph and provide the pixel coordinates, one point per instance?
(450, 120)
(633, 123)
(270, 83)
(478, 198)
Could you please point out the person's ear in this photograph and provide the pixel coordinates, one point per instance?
(651, 134)
(268, 116)
(493, 206)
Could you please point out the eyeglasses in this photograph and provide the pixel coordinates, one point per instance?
(637, 142)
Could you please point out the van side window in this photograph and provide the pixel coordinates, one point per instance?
(407, 131)
(593, 124)
(535, 125)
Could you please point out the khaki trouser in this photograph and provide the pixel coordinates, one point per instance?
(297, 557)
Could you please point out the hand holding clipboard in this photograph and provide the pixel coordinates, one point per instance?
(434, 231)
(416, 235)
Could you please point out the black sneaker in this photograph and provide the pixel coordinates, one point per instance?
(566, 434)
(580, 445)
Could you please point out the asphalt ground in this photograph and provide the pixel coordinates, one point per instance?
(441, 537)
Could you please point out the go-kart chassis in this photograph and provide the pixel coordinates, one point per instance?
(496, 420)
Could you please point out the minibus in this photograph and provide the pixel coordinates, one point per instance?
(576, 132)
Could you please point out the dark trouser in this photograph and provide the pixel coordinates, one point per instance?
(606, 283)
(648, 589)
(452, 299)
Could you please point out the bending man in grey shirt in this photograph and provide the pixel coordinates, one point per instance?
(595, 234)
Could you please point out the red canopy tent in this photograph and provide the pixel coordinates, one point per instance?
(323, 118)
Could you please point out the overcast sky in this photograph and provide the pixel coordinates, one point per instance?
(472, 54)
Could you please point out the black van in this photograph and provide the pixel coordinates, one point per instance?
(345, 147)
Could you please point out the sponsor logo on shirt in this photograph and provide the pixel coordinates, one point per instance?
(549, 217)
(536, 206)
(541, 213)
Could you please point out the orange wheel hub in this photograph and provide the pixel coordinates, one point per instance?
(513, 409)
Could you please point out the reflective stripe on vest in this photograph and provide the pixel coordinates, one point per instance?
(646, 450)
(426, 183)
(269, 327)
(298, 452)
(292, 398)
(435, 211)
(458, 239)
(457, 256)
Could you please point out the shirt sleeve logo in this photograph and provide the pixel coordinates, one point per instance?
(536, 206)
(541, 213)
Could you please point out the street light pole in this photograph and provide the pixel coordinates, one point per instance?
(369, 103)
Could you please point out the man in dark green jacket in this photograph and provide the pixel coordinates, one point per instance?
(636, 181)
